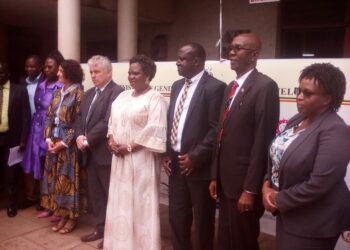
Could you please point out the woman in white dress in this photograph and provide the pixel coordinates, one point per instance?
(137, 134)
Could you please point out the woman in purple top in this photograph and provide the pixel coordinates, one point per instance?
(36, 148)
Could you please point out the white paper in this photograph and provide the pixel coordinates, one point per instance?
(15, 156)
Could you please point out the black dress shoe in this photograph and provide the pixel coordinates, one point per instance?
(91, 237)
(11, 212)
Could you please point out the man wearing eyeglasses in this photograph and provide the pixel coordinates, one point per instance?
(247, 124)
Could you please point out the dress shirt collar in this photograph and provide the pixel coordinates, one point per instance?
(244, 77)
(240, 82)
(35, 81)
(6, 85)
(104, 86)
(196, 78)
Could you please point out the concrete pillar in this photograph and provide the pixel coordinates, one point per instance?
(68, 12)
(127, 29)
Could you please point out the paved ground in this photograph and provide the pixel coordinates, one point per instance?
(27, 232)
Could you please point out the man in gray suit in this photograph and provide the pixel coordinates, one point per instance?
(91, 131)
(192, 119)
(248, 120)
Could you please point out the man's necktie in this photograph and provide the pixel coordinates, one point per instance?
(97, 94)
(180, 106)
(1, 97)
(227, 107)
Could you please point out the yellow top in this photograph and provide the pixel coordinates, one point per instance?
(4, 125)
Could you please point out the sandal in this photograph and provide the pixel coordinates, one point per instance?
(59, 225)
(44, 214)
(54, 219)
(69, 226)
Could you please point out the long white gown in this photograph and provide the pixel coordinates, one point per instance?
(132, 219)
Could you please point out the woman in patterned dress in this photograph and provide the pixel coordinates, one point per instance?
(61, 189)
(137, 134)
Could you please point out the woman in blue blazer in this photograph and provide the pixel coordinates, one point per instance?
(305, 184)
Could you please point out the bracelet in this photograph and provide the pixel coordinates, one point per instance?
(269, 196)
(129, 148)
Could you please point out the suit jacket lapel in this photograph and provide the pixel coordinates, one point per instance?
(101, 97)
(11, 98)
(88, 97)
(301, 138)
(237, 102)
(196, 94)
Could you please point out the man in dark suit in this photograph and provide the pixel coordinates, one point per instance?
(192, 117)
(248, 120)
(91, 131)
(14, 128)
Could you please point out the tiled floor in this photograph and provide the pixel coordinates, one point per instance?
(26, 232)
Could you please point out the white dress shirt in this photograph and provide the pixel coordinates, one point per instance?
(192, 88)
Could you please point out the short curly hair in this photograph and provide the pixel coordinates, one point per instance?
(330, 78)
(56, 56)
(72, 71)
(147, 65)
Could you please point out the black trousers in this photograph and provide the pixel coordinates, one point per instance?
(98, 185)
(188, 200)
(9, 178)
(238, 231)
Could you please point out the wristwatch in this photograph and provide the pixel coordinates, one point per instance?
(129, 148)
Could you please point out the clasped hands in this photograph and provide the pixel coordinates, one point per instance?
(185, 165)
(54, 147)
(81, 143)
(269, 197)
(117, 149)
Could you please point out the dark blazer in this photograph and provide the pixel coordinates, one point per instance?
(202, 118)
(18, 116)
(96, 127)
(313, 200)
(240, 161)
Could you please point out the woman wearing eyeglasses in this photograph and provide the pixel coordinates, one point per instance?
(305, 184)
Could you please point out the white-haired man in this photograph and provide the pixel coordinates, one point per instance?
(91, 130)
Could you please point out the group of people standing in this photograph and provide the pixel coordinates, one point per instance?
(104, 148)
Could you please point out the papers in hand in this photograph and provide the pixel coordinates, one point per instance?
(15, 156)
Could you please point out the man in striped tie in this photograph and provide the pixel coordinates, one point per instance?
(192, 117)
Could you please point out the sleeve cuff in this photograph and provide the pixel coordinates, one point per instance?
(249, 192)
(64, 144)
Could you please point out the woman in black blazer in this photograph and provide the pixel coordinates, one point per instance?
(305, 185)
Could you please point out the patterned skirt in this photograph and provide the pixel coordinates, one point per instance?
(62, 189)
